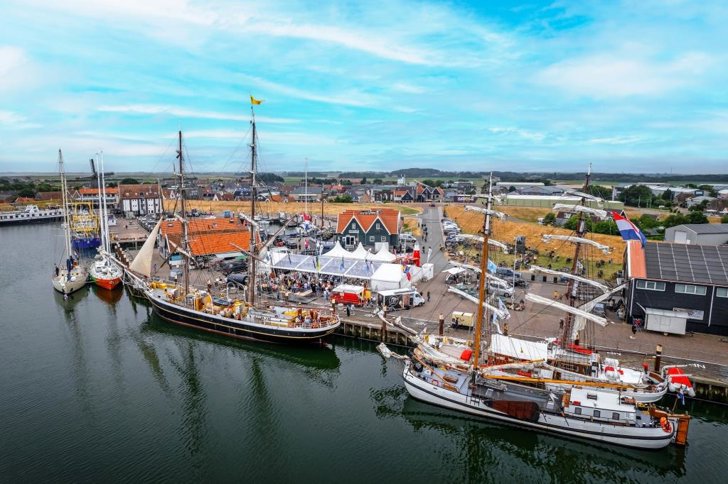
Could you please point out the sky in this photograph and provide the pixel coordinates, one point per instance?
(634, 86)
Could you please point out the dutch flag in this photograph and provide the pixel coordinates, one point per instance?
(628, 230)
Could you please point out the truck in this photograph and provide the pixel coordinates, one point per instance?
(459, 319)
(395, 299)
(349, 294)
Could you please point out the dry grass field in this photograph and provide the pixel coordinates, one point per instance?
(507, 231)
(291, 208)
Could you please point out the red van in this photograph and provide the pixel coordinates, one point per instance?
(348, 294)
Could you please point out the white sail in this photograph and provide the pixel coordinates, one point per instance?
(583, 195)
(494, 213)
(578, 240)
(479, 238)
(142, 263)
(602, 287)
(579, 322)
(565, 307)
(474, 299)
(602, 214)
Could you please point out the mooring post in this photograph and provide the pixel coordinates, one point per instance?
(658, 357)
(441, 328)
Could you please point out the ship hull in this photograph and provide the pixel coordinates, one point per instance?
(86, 243)
(636, 437)
(234, 328)
(107, 283)
(64, 285)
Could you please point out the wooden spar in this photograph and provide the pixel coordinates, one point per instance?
(253, 196)
(184, 214)
(564, 382)
(580, 231)
(481, 285)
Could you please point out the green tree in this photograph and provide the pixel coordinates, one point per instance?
(549, 218)
(636, 195)
(363, 181)
(45, 187)
(697, 218)
(709, 190)
(129, 181)
(667, 195)
(27, 192)
(601, 191)
(346, 198)
(724, 219)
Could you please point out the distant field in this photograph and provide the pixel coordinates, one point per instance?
(291, 207)
(507, 231)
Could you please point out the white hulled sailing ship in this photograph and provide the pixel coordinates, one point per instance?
(72, 276)
(104, 272)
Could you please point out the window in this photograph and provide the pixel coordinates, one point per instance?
(577, 410)
(371, 238)
(597, 413)
(721, 292)
(650, 285)
(379, 226)
(690, 289)
(384, 238)
(615, 416)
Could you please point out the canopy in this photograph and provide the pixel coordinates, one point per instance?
(338, 251)
(383, 255)
(361, 253)
(389, 276)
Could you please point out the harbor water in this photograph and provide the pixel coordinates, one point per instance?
(97, 389)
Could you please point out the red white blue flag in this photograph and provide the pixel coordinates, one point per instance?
(628, 230)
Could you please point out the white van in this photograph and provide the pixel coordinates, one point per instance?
(395, 299)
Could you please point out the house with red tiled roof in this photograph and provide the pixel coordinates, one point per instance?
(370, 227)
(207, 236)
(140, 199)
(219, 244)
(403, 195)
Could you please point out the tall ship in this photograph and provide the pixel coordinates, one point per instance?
(29, 214)
(104, 271)
(69, 276)
(501, 392)
(244, 318)
(85, 226)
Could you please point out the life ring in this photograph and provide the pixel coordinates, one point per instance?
(665, 424)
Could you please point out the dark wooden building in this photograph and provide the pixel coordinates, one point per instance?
(674, 287)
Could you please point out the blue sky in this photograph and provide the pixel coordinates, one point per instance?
(378, 85)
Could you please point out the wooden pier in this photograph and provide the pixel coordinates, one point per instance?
(374, 331)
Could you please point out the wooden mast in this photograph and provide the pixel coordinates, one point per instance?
(253, 196)
(186, 265)
(482, 291)
(566, 335)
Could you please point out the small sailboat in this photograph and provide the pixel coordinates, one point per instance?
(104, 272)
(220, 314)
(72, 276)
(455, 378)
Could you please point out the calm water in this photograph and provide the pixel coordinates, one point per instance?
(97, 389)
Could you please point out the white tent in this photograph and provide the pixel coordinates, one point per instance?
(361, 253)
(339, 251)
(389, 276)
(384, 255)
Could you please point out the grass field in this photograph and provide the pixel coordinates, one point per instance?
(507, 231)
(330, 209)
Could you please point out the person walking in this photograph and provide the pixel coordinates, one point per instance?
(348, 310)
(428, 296)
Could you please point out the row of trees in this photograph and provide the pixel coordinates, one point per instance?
(646, 223)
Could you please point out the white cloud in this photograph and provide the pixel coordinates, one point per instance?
(17, 70)
(348, 98)
(603, 76)
(522, 133)
(616, 140)
(158, 109)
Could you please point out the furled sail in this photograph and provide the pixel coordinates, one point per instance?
(142, 263)
(577, 240)
(579, 322)
(498, 312)
(565, 307)
(568, 275)
(602, 214)
(494, 213)
(479, 238)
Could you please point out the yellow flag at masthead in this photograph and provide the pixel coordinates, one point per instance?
(255, 101)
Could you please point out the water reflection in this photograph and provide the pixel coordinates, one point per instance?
(482, 447)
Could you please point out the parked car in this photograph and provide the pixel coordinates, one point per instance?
(599, 310)
(508, 274)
